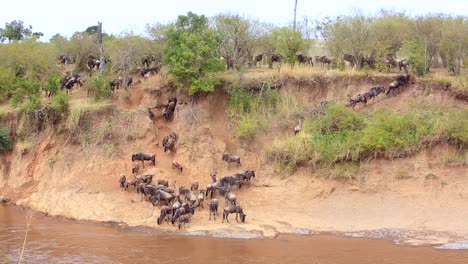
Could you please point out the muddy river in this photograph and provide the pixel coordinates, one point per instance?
(55, 240)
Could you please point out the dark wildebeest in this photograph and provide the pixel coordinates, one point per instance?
(93, 63)
(374, 92)
(135, 169)
(351, 59)
(304, 59)
(245, 175)
(194, 186)
(168, 143)
(229, 62)
(228, 181)
(64, 59)
(144, 156)
(401, 80)
(70, 81)
(201, 198)
(403, 64)
(169, 109)
(213, 206)
(177, 166)
(257, 59)
(276, 58)
(122, 180)
(166, 213)
(115, 84)
(370, 61)
(182, 220)
(231, 158)
(323, 60)
(231, 197)
(146, 179)
(146, 72)
(359, 98)
(234, 209)
(163, 183)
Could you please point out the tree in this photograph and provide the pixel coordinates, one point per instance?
(454, 42)
(237, 38)
(7, 80)
(349, 34)
(191, 53)
(390, 30)
(15, 31)
(27, 95)
(428, 29)
(290, 42)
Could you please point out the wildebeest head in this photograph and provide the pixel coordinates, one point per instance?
(242, 217)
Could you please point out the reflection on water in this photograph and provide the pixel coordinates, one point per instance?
(64, 241)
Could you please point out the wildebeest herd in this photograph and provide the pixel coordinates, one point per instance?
(400, 81)
(177, 210)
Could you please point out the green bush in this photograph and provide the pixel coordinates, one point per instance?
(27, 95)
(53, 83)
(61, 102)
(5, 144)
(344, 135)
(100, 86)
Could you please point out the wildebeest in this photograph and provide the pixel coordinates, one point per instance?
(166, 213)
(304, 59)
(228, 181)
(163, 183)
(168, 143)
(403, 64)
(201, 198)
(401, 80)
(233, 209)
(93, 63)
(245, 175)
(147, 179)
(370, 61)
(257, 59)
(141, 156)
(351, 59)
(135, 169)
(161, 195)
(66, 59)
(298, 127)
(229, 62)
(122, 180)
(359, 98)
(177, 166)
(323, 60)
(182, 220)
(146, 72)
(70, 81)
(169, 109)
(146, 61)
(213, 206)
(133, 183)
(115, 84)
(231, 158)
(194, 186)
(276, 58)
(374, 92)
(231, 197)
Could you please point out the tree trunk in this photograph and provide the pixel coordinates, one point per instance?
(295, 8)
(101, 49)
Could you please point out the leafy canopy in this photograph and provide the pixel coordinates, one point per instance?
(191, 53)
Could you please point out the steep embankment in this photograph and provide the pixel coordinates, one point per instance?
(75, 174)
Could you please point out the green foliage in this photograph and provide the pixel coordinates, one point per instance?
(344, 135)
(416, 57)
(28, 58)
(27, 95)
(53, 83)
(5, 144)
(289, 43)
(191, 53)
(61, 102)
(99, 85)
(14, 31)
(7, 80)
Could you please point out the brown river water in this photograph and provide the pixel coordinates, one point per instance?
(56, 240)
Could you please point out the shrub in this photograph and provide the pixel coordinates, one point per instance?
(5, 144)
(99, 85)
(53, 83)
(61, 102)
(27, 95)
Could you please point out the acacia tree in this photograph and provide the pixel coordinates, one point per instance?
(15, 31)
(349, 34)
(237, 38)
(191, 53)
(267, 42)
(428, 31)
(126, 52)
(454, 42)
(290, 42)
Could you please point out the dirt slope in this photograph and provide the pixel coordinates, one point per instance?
(59, 177)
